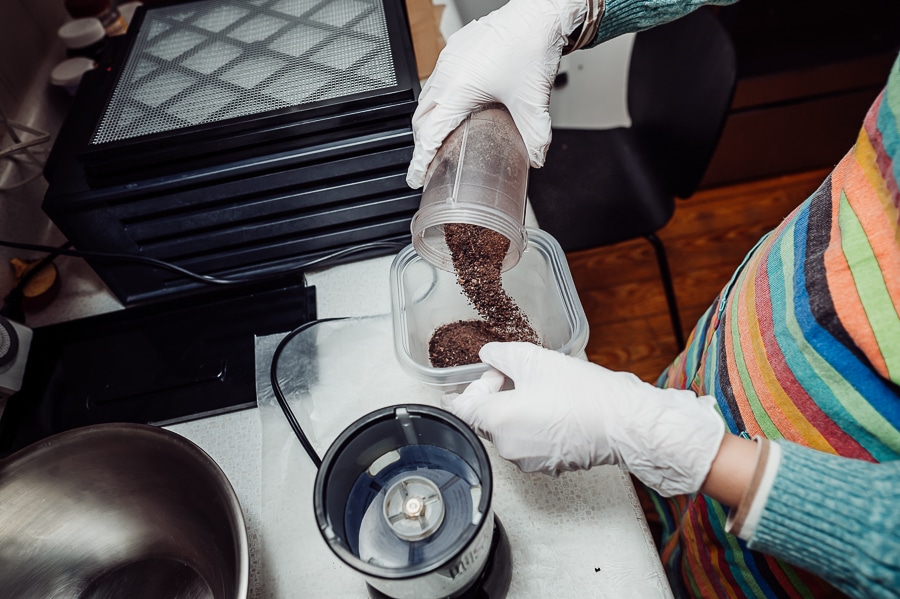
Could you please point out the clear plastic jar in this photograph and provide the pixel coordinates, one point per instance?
(479, 177)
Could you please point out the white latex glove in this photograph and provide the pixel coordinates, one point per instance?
(569, 414)
(510, 56)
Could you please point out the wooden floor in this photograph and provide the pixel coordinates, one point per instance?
(706, 240)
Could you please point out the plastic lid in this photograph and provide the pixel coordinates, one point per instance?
(81, 33)
(68, 73)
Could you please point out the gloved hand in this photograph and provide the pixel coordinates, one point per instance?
(568, 414)
(510, 56)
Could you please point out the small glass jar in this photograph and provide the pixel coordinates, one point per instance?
(479, 176)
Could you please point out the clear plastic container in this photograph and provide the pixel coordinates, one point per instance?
(479, 177)
(424, 297)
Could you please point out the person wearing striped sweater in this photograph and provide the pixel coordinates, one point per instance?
(770, 446)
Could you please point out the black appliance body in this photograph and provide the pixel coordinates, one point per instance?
(161, 363)
(239, 140)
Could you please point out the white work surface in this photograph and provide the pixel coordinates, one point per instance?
(579, 535)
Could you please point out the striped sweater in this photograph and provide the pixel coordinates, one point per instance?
(802, 345)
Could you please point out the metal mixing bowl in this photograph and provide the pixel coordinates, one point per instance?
(119, 510)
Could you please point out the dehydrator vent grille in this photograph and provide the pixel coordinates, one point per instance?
(213, 60)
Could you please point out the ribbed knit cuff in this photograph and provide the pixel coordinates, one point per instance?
(808, 486)
(631, 16)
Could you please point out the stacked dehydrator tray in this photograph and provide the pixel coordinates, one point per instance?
(239, 138)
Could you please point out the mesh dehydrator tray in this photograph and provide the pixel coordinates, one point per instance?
(195, 75)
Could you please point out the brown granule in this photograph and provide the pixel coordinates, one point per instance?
(458, 342)
(477, 254)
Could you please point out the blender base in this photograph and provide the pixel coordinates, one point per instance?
(493, 582)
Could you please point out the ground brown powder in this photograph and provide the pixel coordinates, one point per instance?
(477, 254)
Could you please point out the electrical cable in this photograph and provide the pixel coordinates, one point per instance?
(154, 262)
(279, 394)
(21, 148)
(276, 386)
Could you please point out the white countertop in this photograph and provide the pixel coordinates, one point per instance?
(580, 535)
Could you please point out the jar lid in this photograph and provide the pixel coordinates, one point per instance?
(81, 33)
(68, 73)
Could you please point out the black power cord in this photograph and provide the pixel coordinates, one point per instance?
(273, 373)
(154, 262)
(279, 394)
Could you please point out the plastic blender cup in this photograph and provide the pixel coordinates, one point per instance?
(479, 176)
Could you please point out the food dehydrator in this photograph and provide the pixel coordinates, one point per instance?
(238, 139)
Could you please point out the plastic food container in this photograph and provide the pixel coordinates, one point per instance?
(424, 297)
(480, 177)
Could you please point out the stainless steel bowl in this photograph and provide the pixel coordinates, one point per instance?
(119, 510)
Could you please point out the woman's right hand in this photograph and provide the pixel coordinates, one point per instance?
(570, 414)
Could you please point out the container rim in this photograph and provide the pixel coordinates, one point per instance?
(438, 215)
(540, 241)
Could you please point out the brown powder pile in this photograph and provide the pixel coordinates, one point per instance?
(477, 254)
(458, 342)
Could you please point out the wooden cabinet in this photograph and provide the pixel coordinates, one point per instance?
(808, 72)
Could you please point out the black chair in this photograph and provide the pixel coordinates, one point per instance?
(600, 187)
